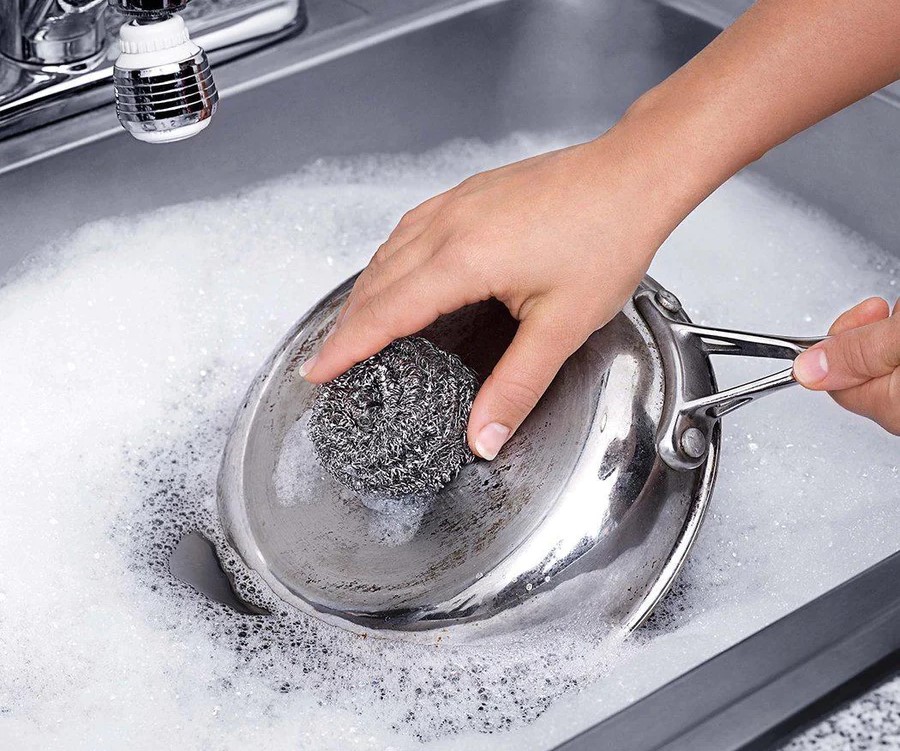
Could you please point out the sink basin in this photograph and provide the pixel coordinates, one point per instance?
(442, 70)
(409, 75)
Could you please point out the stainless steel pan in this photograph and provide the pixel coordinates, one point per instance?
(612, 473)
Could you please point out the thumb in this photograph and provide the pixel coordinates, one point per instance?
(852, 357)
(541, 345)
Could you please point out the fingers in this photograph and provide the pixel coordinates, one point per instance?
(878, 399)
(383, 268)
(421, 213)
(523, 374)
(378, 276)
(403, 308)
(853, 356)
(868, 311)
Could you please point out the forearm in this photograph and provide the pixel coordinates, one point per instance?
(783, 66)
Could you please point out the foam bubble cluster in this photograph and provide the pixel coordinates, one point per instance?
(124, 353)
(871, 721)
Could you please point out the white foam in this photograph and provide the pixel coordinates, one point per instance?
(871, 721)
(299, 476)
(297, 467)
(123, 356)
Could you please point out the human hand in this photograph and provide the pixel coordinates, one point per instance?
(562, 239)
(860, 365)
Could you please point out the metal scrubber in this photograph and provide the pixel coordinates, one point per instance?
(395, 424)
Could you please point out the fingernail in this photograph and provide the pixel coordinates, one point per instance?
(490, 440)
(811, 366)
(308, 366)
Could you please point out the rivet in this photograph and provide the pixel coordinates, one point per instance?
(668, 301)
(693, 443)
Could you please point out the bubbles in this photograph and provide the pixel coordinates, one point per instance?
(872, 721)
(298, 469)
(124, 354)
(299, 476)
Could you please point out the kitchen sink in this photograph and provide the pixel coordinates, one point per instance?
(409, 75)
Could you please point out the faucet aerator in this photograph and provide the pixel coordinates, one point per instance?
(163, 83)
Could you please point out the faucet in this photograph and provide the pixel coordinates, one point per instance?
(51, 32)
(164, 88)
(58, 57)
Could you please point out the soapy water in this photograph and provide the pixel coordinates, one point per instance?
(871, 721)
(299, 477)
(124, 353)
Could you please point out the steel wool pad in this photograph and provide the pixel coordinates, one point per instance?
(396, 423)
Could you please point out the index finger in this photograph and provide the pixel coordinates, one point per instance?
(868, 311)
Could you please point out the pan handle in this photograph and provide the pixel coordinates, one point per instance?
(686, 424)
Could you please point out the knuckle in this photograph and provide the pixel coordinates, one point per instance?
(874, 355)
(877, 399)
(377, 318)
(446, 218)
(461, 250)
(473, 181)
(372, 315)
(868, 352)
(364, 286)
(408, 218)
(455, 214)
(381, 255)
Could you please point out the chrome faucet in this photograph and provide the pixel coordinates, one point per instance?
(58, 58)
(51, 32)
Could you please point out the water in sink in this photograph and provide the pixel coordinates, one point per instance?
(126, 349)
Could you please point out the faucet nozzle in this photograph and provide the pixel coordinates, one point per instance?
(164, 86)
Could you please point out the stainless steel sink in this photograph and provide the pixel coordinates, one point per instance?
(407, 75)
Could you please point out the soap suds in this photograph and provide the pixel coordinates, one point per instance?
(871, 721)
(124, 354)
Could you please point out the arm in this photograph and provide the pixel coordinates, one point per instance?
(563, 239)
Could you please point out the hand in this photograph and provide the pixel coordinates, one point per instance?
(860, 365)
(562, 239)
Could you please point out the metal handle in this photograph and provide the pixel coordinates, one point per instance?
(726, 342)
(688, 418)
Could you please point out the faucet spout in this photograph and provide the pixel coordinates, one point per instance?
(52, 32)
(64, 31)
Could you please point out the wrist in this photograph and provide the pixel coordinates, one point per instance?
(686, 145)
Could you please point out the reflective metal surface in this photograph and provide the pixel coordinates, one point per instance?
(691, 412)
(480, 74)
(579, 488)
(611, 472)
(166, 102)
(54, 32)
(56, 58)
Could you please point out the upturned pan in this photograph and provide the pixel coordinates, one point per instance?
(611, 473)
